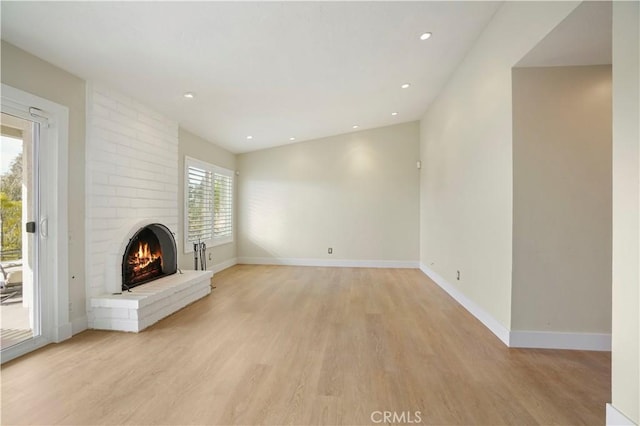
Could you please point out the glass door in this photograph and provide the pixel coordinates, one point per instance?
(20, 301)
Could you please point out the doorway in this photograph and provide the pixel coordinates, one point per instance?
(34, 229)
(562, 186)
(19, 278)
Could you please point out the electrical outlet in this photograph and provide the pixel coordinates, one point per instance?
(210, 256)
(458, 275)
(330, 251)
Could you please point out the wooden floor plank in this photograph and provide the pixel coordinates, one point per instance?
(306, 345)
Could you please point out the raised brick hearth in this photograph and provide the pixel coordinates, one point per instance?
(149, 303)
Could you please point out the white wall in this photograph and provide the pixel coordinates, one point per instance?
(356, 193)
(466, 148)
(195, 147)
(626, 209)
(562, 199)
(31, 74)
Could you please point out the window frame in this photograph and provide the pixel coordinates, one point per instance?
(212, 168)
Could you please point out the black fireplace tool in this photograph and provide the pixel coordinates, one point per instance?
(200, 253)
(195, 255)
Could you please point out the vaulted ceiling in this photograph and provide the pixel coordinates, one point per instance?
(280, 72)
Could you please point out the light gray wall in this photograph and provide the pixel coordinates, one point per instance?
(625, 362)
(357, 193)
(562, 199)
(466, 149)
(31, 74)
(195, 147)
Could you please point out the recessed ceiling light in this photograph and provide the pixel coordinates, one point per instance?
(425, 36)
(189, 95)
(292, 139)
(394, 113)
(405, 86)
(249, 137)
(355, 126)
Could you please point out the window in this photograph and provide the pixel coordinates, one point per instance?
(222, 206)
(208, 204)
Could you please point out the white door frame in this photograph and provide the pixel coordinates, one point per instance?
(54, 250)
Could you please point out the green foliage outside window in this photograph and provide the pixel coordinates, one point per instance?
(11, 211)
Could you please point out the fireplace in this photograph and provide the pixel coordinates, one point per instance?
(150, 254)
(143, 250)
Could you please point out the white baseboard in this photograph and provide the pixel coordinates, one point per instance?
(524, 339)
(558, 340)
(79, 324)
(224, 265)
(616, 418)
(63, 332)
(342, 263)
(485, 318)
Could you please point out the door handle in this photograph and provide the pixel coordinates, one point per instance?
(44, 227)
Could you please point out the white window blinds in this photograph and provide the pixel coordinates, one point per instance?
(200, 204)
(223, 205)
(208, 203)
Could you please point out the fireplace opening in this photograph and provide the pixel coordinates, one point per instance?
(150, 254)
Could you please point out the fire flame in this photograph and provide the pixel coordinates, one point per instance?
(143, 257)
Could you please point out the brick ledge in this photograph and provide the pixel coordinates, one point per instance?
(149, 303)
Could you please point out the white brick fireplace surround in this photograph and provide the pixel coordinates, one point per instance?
(132, 178)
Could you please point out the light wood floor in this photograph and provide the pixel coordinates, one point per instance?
(296, 345)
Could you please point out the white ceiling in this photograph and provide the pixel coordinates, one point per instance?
(272, 70)
(582, 38)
